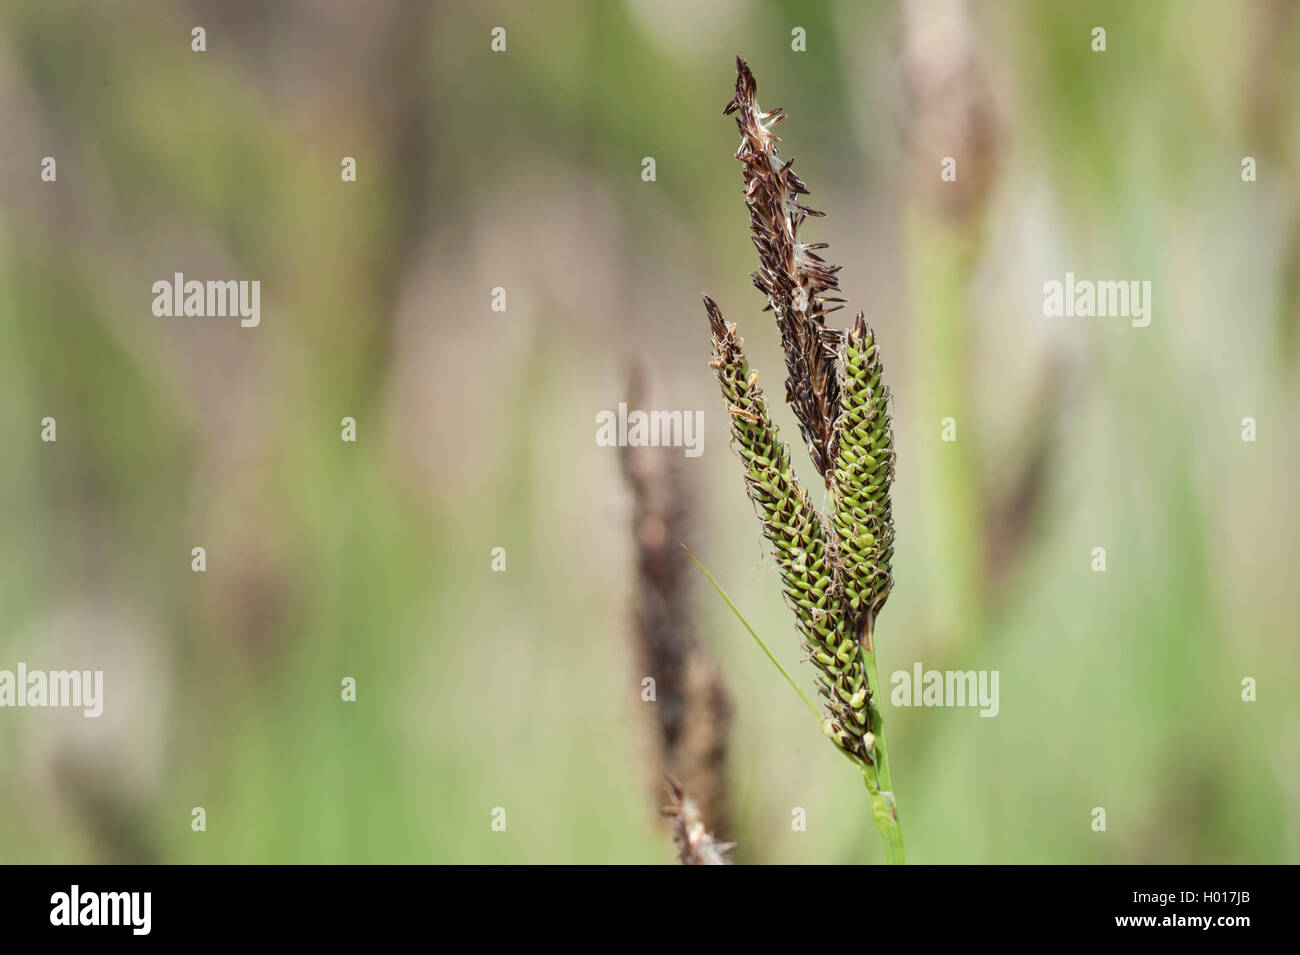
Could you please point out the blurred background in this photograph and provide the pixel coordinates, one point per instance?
(522, 170)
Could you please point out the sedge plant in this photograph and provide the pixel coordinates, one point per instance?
(834, 564)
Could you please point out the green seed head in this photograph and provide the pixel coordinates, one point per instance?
(863, 473)
(804, 543)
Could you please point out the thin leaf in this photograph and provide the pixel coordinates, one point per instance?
(757, 639)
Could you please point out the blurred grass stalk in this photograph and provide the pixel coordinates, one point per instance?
(939, 271)
(950, 116)
(691, 713)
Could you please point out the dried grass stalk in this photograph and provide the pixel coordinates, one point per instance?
(691, 715)
(695, 844)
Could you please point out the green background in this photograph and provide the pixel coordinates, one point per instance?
(522, 170)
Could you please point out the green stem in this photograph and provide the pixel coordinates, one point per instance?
(884, 808)
(885, 814)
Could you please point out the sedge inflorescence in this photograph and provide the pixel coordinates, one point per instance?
(835, 568)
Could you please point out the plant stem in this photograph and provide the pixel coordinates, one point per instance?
(884, 808)
(884, 812)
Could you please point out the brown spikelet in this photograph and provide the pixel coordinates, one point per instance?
(800, 287)
(695, 843)
(692, 711)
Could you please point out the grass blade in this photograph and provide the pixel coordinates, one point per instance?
(757, 639)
